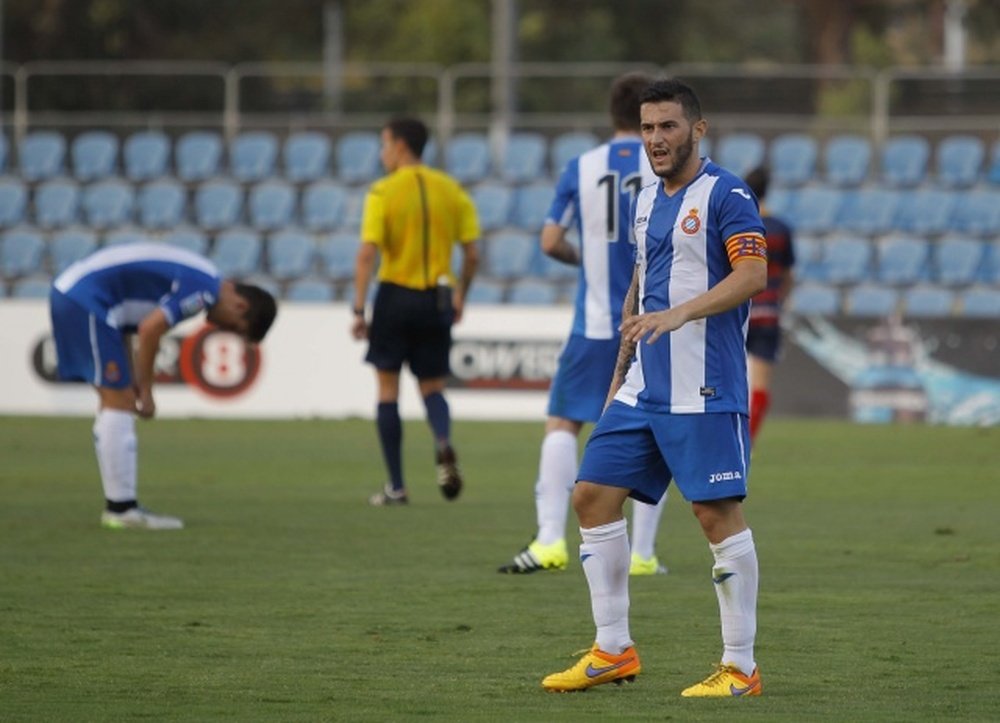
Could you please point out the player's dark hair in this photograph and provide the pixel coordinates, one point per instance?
(261, 312)
(411, 131)
(673, 91)
(758, 180)
(624, 102)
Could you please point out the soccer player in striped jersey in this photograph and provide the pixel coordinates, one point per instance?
(594, 196)
(678, 401)
(142, 289)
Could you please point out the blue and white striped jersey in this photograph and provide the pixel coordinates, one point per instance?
(686, 244)
(595, 194)
(121, 285)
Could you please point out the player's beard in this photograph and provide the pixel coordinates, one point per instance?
(681, 154)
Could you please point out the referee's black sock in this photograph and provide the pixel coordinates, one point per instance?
(119, 507)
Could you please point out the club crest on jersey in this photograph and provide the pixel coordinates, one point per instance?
(691, 224)
(111, 372)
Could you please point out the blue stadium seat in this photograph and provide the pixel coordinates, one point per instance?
(290, 254)
(846, 259)
(960, 160)
(532, 291)
(846, 159)
(107, 203)
(306, 156)
(523, 158)
(237, 252)
(218, 203)
(271, 204)
(324, 205)
(793, 159)
(69, 245)
(126, 235)
(354, 206)
(510, 254)
(485, 290)
(977, 212)
(21, 252)
(567, 146)
(36, 286)
(41, 155)
(904, 160)
(265, 282)
(252, 156)
(956, 260)
(871, 300)
(740, 152)
(869, 211)
(467, 157)
(705, 147)
(780, 201)
(808, 258)
(928, 301)
(993, 171)
(309, 291)
(814, 299)
(187, 237)
(430, 155)
(531, 205)
(198, 155)
(493, 203)
(4, 153)
(926, 211)
(815, 209)
(337, 252)
(56, 203)
(13, 200)
(981, 302)
(146, 156)
(358, 157)
(555, 271)
(94, 155)
(990, 268)
(162, 204)
(902, 260)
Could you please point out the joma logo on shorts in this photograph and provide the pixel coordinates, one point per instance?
(724, 477)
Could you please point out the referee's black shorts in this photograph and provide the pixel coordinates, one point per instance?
(410, 326)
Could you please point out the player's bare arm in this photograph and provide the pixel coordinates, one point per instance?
(626, 350)
(364, 265)
(151, 330)
(470, 264)
(556, 246)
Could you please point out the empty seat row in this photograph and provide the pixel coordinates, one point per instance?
(872, 300)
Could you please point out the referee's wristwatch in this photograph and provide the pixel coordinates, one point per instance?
(359, 311)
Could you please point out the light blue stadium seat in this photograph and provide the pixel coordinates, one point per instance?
(252, 156)
(13, 201)
(187, 237)
(162, 204)
(808, 258)
(431, 152)
(740, 153)
(197, 155)
(357, 155)
(510, 254)
(871, 300)
(218, 203)
(37, 286)
(306, 156)
(56, 203)
(955, 260)
(69, 245)
(338, 252)
(146, 156)
(904, 160)
(815, 209)
(869, 211)
(993, 171)
(324, 205)
(928, 301)
(265, 282)
(793, 159)
(990, 268)
(271, 204)
(290, 254)
(126, 235)
(814, 299)
(94, 155)
(531, 205)
(237, 252)
(846, 259)
(960, 160)
(567, 146)
(107, 203)
(977, 212)
(4, 152)
(22, 252)
(467, 157)
(309, 290)
(846, 159)
(41, 155)
(705, 147)
(555, 271)
(981, 302)
(532, 291)
(354, 206)
(926, 211)
(780, 201)
(524, 158)
(902, 260)
(493, 203)
(485, 290)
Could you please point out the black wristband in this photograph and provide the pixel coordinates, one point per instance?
(359, 311)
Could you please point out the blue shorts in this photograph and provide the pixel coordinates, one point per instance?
(581, 383)
(764, 342)
(87, 349)
(708, 455)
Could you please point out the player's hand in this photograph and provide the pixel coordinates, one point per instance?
(145, 407)
(458, 307)
(653, 324)
(359, 328)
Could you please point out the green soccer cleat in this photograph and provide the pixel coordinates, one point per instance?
(646, 566)
(139, 518)
(537, 557)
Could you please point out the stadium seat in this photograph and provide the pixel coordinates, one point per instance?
(871, 300)
(960, 160)
(705, 148)
(237, 252)
(217, 204)
(21, 252)
(532, 291)
(146, 156)
(814, 299)
(41, 155)
(555, 271)
(815, 209)
(780, 201)
(358, 157)
(306, 156)
(324, 204)
(793, 159)
(290, 254)
(161, 204)
(928, 301)
(846, 260)
(926, 211)
(13, 201)
(252, 156)
(955, 260)
(531, 205)
(523, 158)
(981, 302)
(993, 171)
(69, 245)
(126, 235)
(94, 155)
(37, 286)
(309, 291)
(869, 211)
(485, 290)
(271, 204)
(430, 155)
(354, 206)
(198, 155)
(990, 268)
(493, 202)
(107, 203)
(977, 212)
(4, 154)
(902, 260)
(265, 282)
(567, 146)
(904, 160)
(808, 258)
(846, 159)
(510, 254)
(337, 253)
(187, 237)
(467, 157)
(740, 152)
(56, 203)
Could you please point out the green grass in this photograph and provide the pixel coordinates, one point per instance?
(287, 598)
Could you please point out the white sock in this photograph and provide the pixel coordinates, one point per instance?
(735, 577)
(605, 558)
(556, 476)
(115, 443)
(645, 523)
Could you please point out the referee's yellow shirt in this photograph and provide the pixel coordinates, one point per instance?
(414, 215)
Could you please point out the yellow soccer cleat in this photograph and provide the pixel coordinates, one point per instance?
(537, 557)
(726, 682)
(596, 668)
(645, 566)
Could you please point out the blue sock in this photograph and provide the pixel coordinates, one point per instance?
(390, 434)
(438, 417)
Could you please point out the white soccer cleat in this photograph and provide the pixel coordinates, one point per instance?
(140, 519)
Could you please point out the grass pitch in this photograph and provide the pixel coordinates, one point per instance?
(289, 598)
